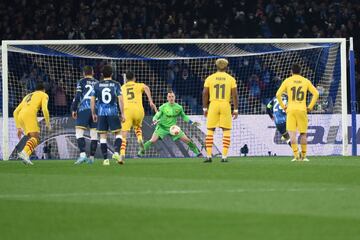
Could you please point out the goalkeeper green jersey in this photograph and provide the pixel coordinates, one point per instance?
(168, 114)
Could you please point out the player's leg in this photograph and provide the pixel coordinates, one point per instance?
(190, 144)
(226, 144)
(303, 125)
(225, 123)
(137, 123)
(291, 127)
(79, 134)
(102, 129)
(123, 144)
(158, 133)
(125, 128)
(32, 130)
(284, 134)
(115, 128)
(212, 122)
(31, 143)
(93, 144)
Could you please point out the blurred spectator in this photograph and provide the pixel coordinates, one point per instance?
(60, 102)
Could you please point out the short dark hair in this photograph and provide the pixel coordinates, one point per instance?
(129, 75)
(296, 69)
(107, 71)
(170, 91)
(39, 86)
(88, 70)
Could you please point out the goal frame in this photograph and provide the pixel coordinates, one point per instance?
(6, 43)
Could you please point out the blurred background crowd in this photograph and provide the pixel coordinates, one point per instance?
(151, 19)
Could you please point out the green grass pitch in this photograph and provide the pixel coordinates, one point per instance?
(247, 198)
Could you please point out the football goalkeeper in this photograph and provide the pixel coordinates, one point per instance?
(165, 118)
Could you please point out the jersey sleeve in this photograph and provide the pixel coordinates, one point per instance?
(44, 108)
(93, 92)
(158, 115)
(183, 115)
(233, 83)
(76, 100)
(16, 113)
(142, 87)
(207, 83)
(279, 92)
(118, 91)
(315, 94)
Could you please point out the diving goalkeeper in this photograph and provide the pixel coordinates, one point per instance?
(165, 118)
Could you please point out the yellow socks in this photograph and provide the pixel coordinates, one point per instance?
(226, 143)
(209, 140)
(31, 145)
(303, 150)
(295, 150)
(138, 134)
(123, 147)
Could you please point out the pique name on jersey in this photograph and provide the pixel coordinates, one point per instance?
(220, 78)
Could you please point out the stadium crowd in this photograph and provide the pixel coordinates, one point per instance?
(135, 19)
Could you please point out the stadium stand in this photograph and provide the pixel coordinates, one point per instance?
(105, 19)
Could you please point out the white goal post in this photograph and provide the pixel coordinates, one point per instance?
(13, 46)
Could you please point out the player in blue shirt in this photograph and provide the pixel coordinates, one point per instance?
(81, 112)
(278, 115)
(107, 95)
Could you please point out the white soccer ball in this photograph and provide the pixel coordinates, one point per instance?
(174, 130)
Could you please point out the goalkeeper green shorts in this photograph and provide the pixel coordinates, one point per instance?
(162, 132)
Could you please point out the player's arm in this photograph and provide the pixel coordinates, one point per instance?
(187, 119)
(205, 97)
(45, 110)
(279, 92)
(16, 114)
(315, 96)
(158, 115)
(235, 100)
(148, 94)
(92, 107)
(76, 100)
(121, 106)
(269, 109)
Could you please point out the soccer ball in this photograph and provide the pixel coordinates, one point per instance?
(174, 130)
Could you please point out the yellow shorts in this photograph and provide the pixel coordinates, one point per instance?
(297, 120)
(219, 115)
(133, 118)
(29, 123)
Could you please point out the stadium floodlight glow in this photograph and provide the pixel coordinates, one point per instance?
(257, 64)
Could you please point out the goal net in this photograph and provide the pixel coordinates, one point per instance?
(259, 67)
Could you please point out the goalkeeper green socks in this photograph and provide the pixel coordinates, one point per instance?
(193, 147)
(147, 145)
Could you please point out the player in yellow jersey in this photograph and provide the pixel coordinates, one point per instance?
(133, 110)
(297, 87)
(25, 116)
(219, 89)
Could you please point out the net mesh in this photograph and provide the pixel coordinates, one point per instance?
(258, 68)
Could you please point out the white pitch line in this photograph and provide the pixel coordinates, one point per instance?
(168, 192)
